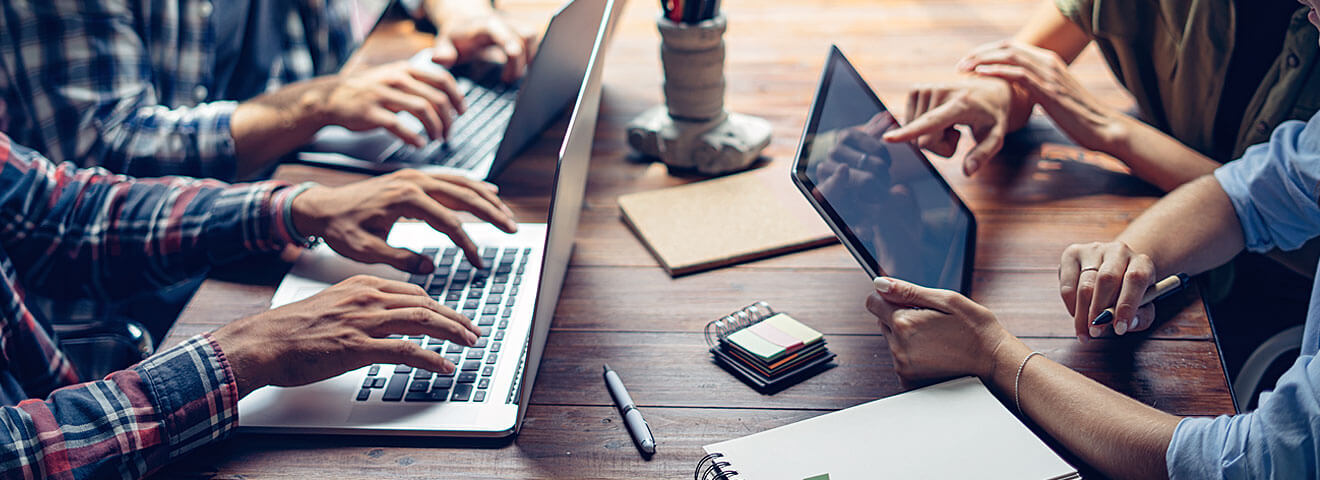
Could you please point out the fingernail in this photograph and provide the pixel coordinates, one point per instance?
(1096, 331)
(1132, 325)
(883, 285)
(971, 166)
(1120, 327)
(963, 65)
(471, 338)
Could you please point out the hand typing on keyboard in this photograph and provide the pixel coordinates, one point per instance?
(340, 329)
(354, 219)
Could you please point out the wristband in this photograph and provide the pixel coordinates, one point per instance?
(304, 241)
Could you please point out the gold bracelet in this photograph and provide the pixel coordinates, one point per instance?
(1017, 400)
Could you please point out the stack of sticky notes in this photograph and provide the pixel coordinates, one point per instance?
(774, 352)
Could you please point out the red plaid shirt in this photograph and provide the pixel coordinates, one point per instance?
(67, 232)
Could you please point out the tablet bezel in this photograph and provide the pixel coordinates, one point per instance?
(827, 212)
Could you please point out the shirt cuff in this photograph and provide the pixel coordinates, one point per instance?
(219, 156)
(194, 392)
(1229, 177)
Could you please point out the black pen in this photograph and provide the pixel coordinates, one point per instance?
(637, 427)
(1162, 289)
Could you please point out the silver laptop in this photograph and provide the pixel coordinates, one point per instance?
(512, 300)
(501, 120)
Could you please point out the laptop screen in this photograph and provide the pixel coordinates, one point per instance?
(886, 202)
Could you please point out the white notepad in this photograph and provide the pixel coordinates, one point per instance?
(955, 429)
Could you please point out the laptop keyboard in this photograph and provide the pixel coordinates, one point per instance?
(475, 135)
(487, 297)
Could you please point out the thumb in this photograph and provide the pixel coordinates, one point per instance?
(444, 52)
(904, 293)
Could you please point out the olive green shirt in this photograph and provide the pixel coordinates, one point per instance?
(1173, 55)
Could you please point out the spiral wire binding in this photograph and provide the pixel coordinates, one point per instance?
(735, 321)
(709, 468)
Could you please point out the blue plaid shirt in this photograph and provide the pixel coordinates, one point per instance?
(68, 232)
(127, 85)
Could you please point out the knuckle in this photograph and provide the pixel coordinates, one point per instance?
(1106, 277)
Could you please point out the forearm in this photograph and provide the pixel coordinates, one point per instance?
(1154, 156)
(273, 124)
(1120, 436)
(1190, 230)
(1048, 29)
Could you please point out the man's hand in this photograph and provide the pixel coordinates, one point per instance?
(340, 329)
(467, 27)
(935, 334)
(355, 219)
(1096, 276)
(935, 111)
(369, 99)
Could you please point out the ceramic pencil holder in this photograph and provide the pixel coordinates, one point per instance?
(692, 130)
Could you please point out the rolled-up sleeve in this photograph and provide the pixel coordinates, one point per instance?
(1277, 440)
(1274, 191)
(1274, 188)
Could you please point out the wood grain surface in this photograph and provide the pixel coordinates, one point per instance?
(619, 307)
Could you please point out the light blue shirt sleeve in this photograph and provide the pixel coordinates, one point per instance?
(1277, 440)
(1274, 187)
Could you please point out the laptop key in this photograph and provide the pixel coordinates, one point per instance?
(378, 382)
(517, 280)
(401, 368)
(481, 343)
(473, 304)
(419, 386)
(467, 377)
(501, 279)
(438, 395)
(499, 335)
(486, 320)
(494, 347)
(491, 310)
(363, 394)
(488, 371)
(475, 353)
(454, 358)
(417, 397)
(461, 392)
(418, 280)
(368, 382)
(480, 396)
(375, 369)
(494, 299)
(497, 289)
(442, 383)
(394, 392)
(472, 366)
(483, 383)
(454, 296)
(485, 331)
(492, 358)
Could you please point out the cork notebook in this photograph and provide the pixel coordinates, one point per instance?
(724, 221)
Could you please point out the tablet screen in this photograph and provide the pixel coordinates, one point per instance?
(885, 200)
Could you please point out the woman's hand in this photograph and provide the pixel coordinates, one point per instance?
(935, 334)
(1045, 77)
(1096, 276)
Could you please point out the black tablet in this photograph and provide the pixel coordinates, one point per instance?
(885, 201)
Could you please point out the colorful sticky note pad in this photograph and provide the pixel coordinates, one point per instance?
(753, 343)
(776, 336)
(794, 328)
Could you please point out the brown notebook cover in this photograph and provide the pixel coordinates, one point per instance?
(724, 221)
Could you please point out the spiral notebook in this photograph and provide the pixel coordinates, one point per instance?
(955, 429)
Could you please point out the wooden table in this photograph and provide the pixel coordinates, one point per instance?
(619, 307)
